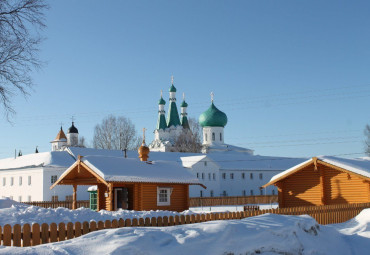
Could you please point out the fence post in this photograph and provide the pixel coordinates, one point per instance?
(53, 233)
(17, 238)
(70, 231)
(85, 228)
(26, 232)
(62, 231)
(77, 229)
(44, 233)
(35, 234)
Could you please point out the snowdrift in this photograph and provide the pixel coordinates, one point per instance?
(265, 234)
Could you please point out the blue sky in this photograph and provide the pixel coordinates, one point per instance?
(292, 76)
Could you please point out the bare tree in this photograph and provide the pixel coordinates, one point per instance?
(190, 139)
(367, 140)
(20, 24)
(116, 133)
(82, 142)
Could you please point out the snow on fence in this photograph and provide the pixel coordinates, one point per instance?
(56, 204)
(31, 235)
(214, 201)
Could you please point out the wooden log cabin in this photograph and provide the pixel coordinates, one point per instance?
(324, 181)
(131, 184)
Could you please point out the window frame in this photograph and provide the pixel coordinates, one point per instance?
(168, 196)
(20, 181)
(53, 178)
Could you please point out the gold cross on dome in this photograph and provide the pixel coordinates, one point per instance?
(172, 79)
(212, 95)
(183, 96)
(73, 118)
(144, 129)
(161, 93)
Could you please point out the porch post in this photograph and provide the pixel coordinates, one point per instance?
(110, 190)
(74, 203)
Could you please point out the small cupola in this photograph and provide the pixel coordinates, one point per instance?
(60, 141)
(73, 129)
(72, 135)
(143, 149)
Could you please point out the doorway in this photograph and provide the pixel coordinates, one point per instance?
(120, 198)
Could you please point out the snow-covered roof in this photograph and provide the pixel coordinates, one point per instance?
(166, 156)
(51, 159)
(227, 160)
(244, 161)
(93, 188)
(359, 166)
(119, 169)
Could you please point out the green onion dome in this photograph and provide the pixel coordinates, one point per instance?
(213, 117)
(184, 104)
(172, 88)
(161, 101)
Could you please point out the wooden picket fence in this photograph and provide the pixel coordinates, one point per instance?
(31, 235)
(56, 204)
(235, 200)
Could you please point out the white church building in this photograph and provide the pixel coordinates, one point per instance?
(29, 177)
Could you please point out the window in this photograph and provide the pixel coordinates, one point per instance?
(163, 196)
(205, 136)
(220, 137)
(231, 176)
(54, 178)
(11, 181)
(198, 175)
(4, 181)
(205, 163)
(251, 192)
(261, 176)
(213, 137)
(243, 175)
(244, 193)
(20, 199)
(251, 176)
(209, 176)
(29, 180)
(273, 192)
(20, 180)
(201, 193)
(214, 176)
(261, 192)
(202, 175)
(54, 198)
(29, 198)
(224, 193)
(223, 176)
(211, 193)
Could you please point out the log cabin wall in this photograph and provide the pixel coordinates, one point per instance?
(143, 196)
(322, 186)
(344, 188)
(101, 198)
(302, 188)
(179, 200)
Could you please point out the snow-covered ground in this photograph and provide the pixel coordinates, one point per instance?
(264, 234)
(12, 212)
